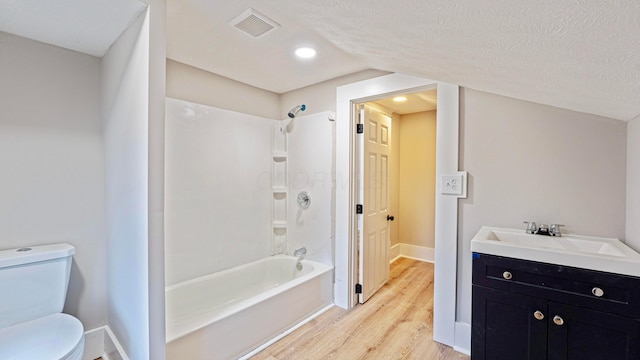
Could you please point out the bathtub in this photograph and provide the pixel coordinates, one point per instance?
(228, 314)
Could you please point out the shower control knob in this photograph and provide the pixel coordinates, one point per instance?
(390, 218)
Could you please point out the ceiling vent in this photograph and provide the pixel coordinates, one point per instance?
(254, 23)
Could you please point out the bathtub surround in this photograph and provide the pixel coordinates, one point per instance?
(218, 189)
(310, 150)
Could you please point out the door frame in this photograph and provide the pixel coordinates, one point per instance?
(345, 245)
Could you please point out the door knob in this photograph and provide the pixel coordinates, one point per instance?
(390, 218)
(507, 275)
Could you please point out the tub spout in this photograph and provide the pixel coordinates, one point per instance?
(300, 253)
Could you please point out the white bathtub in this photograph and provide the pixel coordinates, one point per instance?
(230, 313)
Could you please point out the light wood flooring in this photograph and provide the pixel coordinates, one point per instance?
(396, 323)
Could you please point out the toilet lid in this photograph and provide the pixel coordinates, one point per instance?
(49, 337)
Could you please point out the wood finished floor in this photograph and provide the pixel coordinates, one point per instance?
(396, 323)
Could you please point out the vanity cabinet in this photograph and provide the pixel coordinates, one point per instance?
(529, 310)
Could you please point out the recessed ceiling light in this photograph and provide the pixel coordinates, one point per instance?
(305, 52)
(400, 98)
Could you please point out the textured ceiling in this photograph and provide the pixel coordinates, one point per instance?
(199, 34)
(582, 55)
(416, 102)
(87, 26)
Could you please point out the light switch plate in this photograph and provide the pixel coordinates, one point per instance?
(454, 184)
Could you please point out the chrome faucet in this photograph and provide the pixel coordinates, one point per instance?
(553, 230)
(300, 253)
(532, 228)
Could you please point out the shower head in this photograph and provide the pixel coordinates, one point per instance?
(293, 112)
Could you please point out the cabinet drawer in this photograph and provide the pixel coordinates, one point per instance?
(619, 294)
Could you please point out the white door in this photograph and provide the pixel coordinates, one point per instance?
(374, 197)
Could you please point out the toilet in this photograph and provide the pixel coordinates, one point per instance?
(33, 288)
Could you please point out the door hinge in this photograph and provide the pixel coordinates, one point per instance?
(360, 128)
(358, 288)
(359, 209)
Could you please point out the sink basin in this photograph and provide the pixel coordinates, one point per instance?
(524, 239)
(595, 253)
(595, 247)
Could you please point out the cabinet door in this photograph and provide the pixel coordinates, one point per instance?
(504, 326)
(583, 334)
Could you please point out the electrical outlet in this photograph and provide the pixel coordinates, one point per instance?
(452, 185)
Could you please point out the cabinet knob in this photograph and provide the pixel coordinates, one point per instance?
(558, 320)
(596, 291)
(538, 315)
(507, 275)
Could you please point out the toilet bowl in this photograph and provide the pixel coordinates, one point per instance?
(33, 284)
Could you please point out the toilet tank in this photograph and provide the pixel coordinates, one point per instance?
(33, 282)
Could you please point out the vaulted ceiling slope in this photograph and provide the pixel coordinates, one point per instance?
(582, 55)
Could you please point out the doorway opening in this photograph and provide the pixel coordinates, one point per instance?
(446, 330)
(396, 165)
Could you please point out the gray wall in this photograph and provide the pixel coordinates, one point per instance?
(51, 156)
(126, 142)
(188, 83)
(632, 233)
(322, 96)
(534, 162)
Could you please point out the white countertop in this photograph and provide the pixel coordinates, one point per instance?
(594, 253)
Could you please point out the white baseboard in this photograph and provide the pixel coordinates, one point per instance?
(101, 342)
(415, 252)
(462, 338)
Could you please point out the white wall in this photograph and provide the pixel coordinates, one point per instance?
(157, 93)
(528, 161)
(417, 178)
(632, 233)
(51, 159)
(218, 189)
(394, 180)
(188, 83)
(125, 70)
(310, 155)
